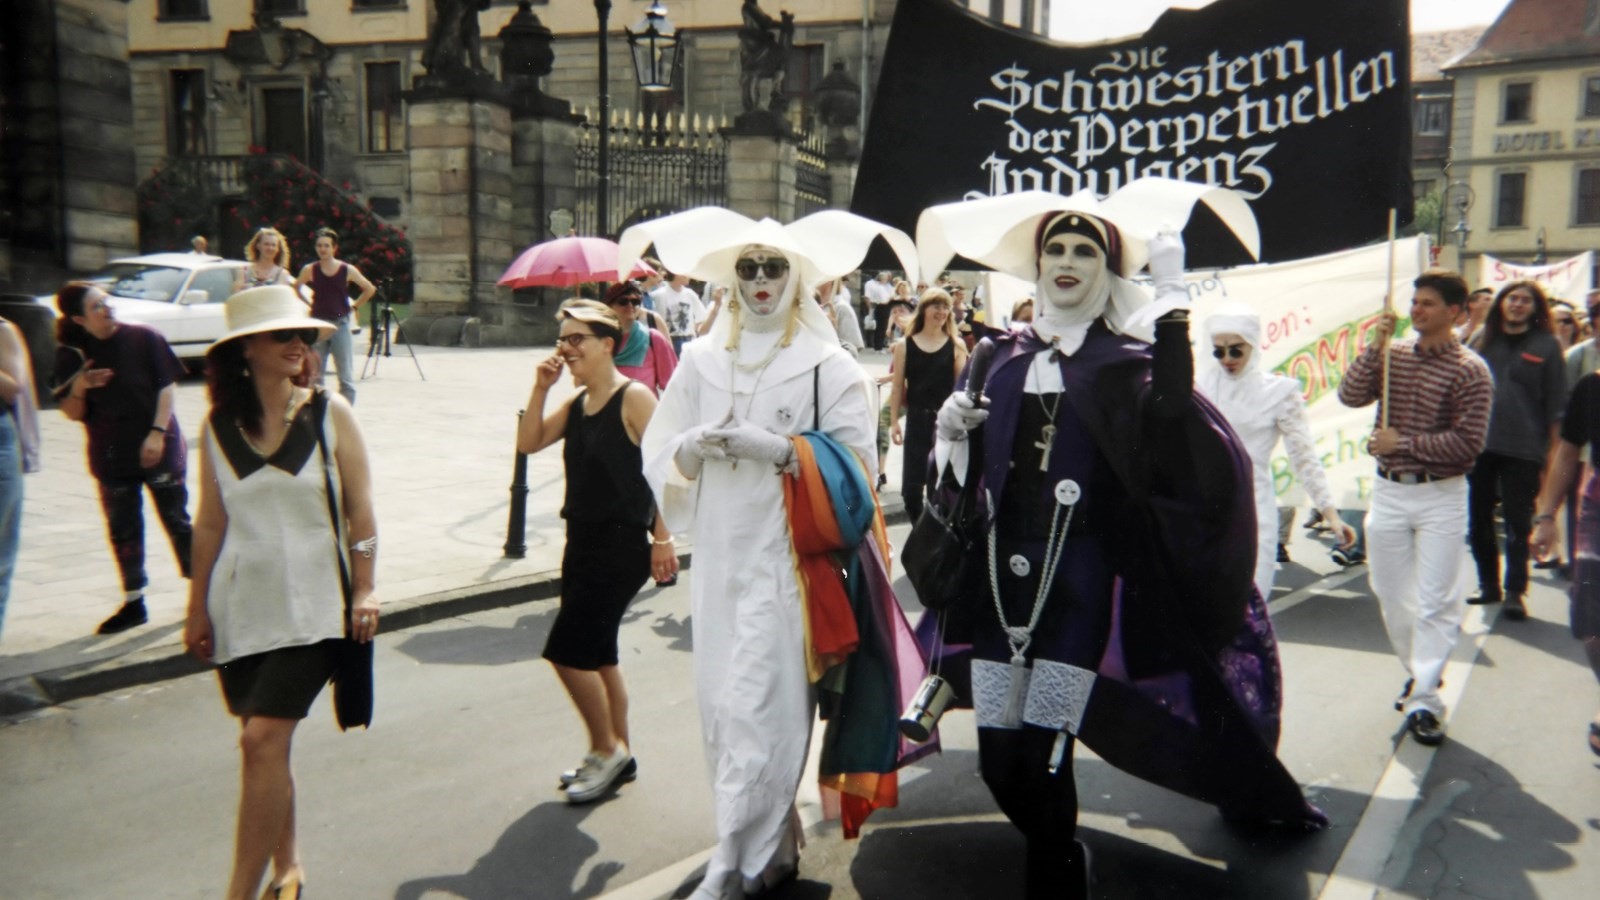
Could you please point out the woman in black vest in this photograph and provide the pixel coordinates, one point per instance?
(615, 540)
(925, 367)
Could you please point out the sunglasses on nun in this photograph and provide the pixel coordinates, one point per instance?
(307, 336)
(773, 268)
(1232, 351)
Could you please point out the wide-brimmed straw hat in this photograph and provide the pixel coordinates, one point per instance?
(270, 308)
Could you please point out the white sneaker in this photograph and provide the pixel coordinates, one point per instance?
(629, 772)
(597, 775)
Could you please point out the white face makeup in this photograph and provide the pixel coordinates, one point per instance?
(1070, 265)
(763, 275)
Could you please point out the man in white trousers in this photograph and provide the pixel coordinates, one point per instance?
(1439, 398)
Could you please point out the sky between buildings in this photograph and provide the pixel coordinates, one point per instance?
(1096, 20)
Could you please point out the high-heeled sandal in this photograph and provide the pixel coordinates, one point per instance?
(290, 888)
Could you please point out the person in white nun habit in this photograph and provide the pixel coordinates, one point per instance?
(714, 453)
(1262, 407)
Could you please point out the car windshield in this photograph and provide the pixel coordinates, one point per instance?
(143, 282)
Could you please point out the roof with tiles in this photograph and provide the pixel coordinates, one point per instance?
(1531, 30)
(1432, 51)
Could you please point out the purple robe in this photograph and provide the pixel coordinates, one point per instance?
(1154, 592)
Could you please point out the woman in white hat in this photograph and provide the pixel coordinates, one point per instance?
(267, 601)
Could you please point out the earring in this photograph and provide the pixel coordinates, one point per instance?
(733, 305)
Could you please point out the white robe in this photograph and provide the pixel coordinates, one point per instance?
(1262, 407)
(756, 705)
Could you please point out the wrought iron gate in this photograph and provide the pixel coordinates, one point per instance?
(658, 166)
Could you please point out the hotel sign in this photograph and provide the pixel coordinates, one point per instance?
(1546, 141)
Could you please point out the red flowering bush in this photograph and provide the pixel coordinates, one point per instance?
(295, 199)
(175, 204)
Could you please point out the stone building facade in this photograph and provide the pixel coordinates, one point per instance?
(67, 167)
(1525, 133)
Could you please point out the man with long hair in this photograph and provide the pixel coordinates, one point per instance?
(1530, 389)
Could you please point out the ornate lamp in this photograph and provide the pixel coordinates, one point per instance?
(657, 51)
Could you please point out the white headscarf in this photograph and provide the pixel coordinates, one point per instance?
(1252, 391)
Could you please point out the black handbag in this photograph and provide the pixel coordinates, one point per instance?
(942, 539)
(352, 669)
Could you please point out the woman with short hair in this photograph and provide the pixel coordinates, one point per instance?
(285, 539)
(121, 381)
(330, 280)
(615, 539)
(645, 354)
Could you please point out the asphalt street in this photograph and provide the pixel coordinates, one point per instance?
(452, 793)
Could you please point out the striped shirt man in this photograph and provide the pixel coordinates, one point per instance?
(1439, 400)
(1440, 396)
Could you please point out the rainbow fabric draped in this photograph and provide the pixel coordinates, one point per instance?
(860, 650)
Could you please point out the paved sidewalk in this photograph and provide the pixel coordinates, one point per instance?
(442, 453)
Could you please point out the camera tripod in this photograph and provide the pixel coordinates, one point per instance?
(381, 344)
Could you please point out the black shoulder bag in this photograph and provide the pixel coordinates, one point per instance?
(352, 670)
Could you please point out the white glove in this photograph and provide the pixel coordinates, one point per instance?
(958, 416)
(746, 441)
(1166, 270)
(693, 452)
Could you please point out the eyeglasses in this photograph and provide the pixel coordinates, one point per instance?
(628, 300)
(1565, 320)
(1232, 351)
(575, 339)
(773, 268)
(307, 336)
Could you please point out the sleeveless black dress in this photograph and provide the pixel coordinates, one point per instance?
(609, 510)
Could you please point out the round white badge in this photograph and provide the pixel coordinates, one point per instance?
(1067, 492)
(1020, 566)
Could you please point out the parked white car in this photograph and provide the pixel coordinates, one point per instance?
(178, 294)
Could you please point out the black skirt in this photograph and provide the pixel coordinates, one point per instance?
(602, 569)
(281, 684)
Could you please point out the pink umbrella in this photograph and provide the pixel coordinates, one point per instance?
(567, 261)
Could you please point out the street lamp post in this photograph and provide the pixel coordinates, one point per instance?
(602, 200)
(657, 49)
(1540, 256)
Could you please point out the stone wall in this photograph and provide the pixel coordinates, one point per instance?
(461, 186)
(69, 159)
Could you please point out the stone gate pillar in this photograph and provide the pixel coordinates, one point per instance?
(461, 185)
(762, 154)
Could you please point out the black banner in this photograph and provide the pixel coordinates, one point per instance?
(1305, 108)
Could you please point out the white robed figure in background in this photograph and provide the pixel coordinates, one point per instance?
(1263, 406)
(714, 453)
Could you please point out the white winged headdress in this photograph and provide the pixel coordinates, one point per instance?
(1002, 232)
(704, 243)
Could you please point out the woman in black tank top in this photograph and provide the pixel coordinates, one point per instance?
(926, 364)
(615, 540)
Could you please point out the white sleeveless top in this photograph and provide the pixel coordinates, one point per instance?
(276, 579)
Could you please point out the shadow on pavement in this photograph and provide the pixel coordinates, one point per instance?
(481, 645)
(1477, 834)
(677, 632)
(970, 851)
(539, 856)
(91, 648)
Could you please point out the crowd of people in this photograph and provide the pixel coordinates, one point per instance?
(746, 419)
